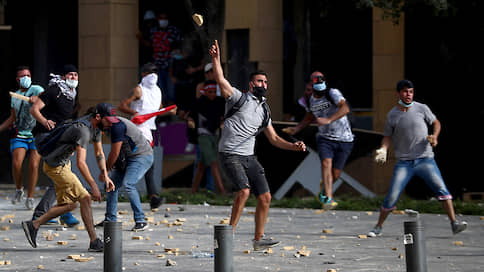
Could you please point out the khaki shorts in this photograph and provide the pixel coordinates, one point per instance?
(67, 186)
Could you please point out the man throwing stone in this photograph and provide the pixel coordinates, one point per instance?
(236, 146)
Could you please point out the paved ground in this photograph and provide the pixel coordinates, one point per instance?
(341, 250)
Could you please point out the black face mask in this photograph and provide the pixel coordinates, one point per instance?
(259, 92)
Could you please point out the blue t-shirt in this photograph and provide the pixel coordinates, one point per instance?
(24, 121)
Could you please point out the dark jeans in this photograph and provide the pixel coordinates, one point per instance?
(47, 201)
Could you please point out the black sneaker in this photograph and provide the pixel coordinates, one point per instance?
(140, 226)
(96, 246)
(156, 202)
(30, 232)
(100, 224)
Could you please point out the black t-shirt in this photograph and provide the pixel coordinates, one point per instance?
(58, 107)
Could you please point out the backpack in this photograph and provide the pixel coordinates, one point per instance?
(236, 107)
(48, 143)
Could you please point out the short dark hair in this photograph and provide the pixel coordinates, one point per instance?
(21, 67)
(258, 72)
(404, 83)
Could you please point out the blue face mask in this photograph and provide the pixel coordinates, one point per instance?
(25, 82)
(401, 103)
(319, 86)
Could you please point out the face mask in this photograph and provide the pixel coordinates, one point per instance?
(71, 83)
(319, 86)
(259, 92)
(178, 56)
(150, 80)
(401, 103)
(25, 82)
(163, 23)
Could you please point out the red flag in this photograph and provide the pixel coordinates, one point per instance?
(140, 119)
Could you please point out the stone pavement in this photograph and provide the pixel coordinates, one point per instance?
(339, 248)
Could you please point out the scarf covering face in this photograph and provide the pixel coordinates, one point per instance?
(66, 91)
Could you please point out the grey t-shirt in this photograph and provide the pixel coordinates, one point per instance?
(79, 133)
(239, 130)
(409, 131)
(126, 131)
(339, 130)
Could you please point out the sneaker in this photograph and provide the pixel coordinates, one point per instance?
(100, 224)
(321, 197)
(29, 203)
(376, 231)
(458, 226)
(156, 202)
(140, 226)
(96, 246)
(30, 232)
(68, 219)
(17, 198)
(264, 243)
(329, 204)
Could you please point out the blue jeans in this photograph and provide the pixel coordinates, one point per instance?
(135, 170)
(426, 169)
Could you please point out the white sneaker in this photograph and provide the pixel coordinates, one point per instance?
(29, 203)
(17, 198)
(376, 231)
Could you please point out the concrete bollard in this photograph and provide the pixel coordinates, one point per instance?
(414, 240)
(223, 248)
(113, 247)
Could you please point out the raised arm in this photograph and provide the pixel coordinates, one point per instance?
(225, 87)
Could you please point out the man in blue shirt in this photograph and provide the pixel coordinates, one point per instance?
(22, 143)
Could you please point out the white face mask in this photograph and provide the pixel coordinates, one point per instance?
(72, 83)
(150, 80)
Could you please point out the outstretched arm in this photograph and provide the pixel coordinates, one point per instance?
(225, 87)
(279, 142)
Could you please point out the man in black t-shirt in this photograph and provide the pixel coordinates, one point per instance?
(52, 108)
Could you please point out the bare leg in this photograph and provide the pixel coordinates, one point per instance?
(217, 177)
(53, 213)
(261, 212)
(198, 176)
(34, 161)
(326, 166)
(383, 216)
(238, 206)
(18, 157)
(86, 214)
(449, 208)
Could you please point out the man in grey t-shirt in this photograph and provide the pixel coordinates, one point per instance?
(407, 127)
(236, 147)
(68, 188)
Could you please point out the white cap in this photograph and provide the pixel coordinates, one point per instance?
(208, 67)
